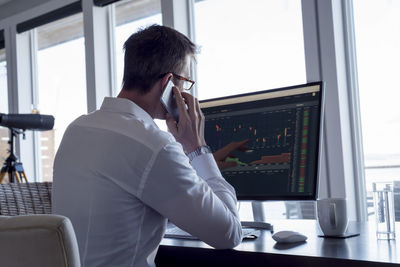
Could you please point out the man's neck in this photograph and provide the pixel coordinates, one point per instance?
(145, 101)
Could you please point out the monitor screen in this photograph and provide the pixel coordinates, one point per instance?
(282, 127)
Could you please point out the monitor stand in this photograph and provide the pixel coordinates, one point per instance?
(258, 215)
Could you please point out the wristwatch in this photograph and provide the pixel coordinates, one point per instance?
(199, 151)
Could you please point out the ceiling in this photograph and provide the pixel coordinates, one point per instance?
(4, 1)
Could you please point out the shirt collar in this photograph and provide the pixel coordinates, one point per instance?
(123, 105)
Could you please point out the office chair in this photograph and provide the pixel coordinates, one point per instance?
(38, 241)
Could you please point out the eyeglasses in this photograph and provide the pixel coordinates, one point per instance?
(187, 84)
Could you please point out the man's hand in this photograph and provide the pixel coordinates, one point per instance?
(221, 154)
(189, 131)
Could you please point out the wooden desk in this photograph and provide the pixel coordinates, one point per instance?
(363, 250)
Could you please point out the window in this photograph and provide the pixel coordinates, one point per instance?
(3, 105)
(130, 16)
(377, 25)
(61, 81)
(248, 46)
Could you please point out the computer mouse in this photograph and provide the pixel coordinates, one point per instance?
(288, 237)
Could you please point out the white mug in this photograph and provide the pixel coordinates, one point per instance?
(332, 216)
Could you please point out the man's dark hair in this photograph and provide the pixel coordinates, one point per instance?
(152, 52)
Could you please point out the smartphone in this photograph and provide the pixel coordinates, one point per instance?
(168, 100)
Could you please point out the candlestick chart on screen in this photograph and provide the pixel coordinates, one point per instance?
(279, 139)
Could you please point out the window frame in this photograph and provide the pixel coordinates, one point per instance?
(330, 56)
(329, 52)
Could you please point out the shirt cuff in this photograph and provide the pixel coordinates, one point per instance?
(205, 166)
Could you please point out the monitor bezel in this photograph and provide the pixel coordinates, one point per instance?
(319, 141)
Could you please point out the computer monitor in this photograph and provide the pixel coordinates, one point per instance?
(282, 127)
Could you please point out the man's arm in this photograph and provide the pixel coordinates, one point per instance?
(200, 202)
(225, 152)
(197, 199)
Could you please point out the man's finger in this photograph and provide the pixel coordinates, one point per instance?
(242, 145)
(222, 153)
(201, 116)
(179, 102)
(243, 142)
(190, 101)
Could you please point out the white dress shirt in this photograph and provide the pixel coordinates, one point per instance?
(118, 177)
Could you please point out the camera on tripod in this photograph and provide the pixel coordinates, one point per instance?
(18, 124)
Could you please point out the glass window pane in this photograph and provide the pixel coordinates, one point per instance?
(248, 46)
(377, 25)
(61, 81)
(130, 16)
(3, 105)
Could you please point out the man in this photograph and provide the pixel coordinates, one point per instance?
(118, 177)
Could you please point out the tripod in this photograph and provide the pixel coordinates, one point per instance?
(11, 166)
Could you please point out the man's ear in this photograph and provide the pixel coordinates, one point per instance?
(165, 80)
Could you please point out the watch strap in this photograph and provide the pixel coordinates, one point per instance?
(199, 151)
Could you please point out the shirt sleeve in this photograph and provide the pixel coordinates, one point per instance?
(197, 199)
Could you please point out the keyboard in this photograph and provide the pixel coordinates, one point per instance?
(175, 232)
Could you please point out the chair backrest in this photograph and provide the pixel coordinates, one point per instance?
(25, 198)
(38, 240)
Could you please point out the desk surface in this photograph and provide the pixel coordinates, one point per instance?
(364, 249)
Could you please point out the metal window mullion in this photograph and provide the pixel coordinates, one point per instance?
(35, 103)
(97, 54)
(312, 53)
(19, 75)
(34, 72)
(112, 51)
(192, 36)
(12, 81)
(355, 116)
(326, 59)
